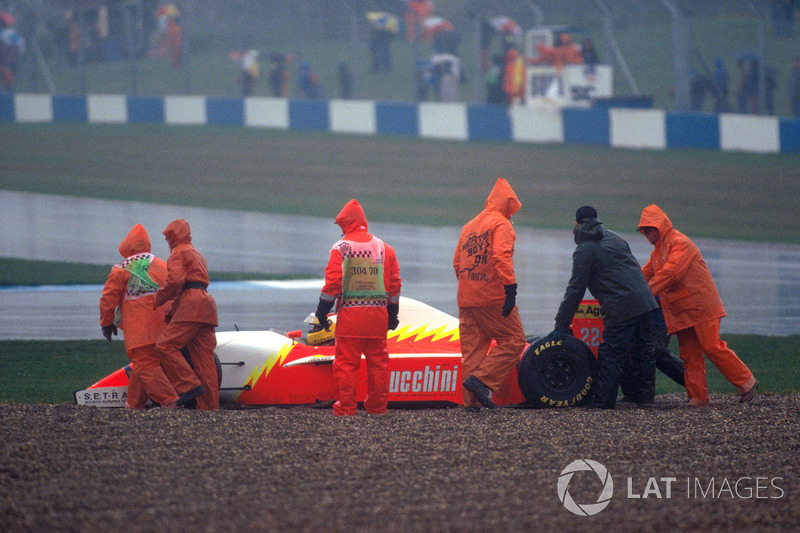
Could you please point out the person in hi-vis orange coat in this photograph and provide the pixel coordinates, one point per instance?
(191, 321)
(130, 289)
(363, 276)
(487, 289)
(678, 275)
(514, 78)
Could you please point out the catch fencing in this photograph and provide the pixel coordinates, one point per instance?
(662, 48)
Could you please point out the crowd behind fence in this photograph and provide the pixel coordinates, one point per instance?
(711, 56)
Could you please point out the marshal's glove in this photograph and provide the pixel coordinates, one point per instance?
(511, 299)
(323, 308)
(108, 331)
(394, 310)
(557, 334)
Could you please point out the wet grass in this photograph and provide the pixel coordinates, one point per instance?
(737, 196)
(32, 273)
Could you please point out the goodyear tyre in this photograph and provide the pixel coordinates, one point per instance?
(557, 373)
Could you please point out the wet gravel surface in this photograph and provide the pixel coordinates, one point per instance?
(730, 467)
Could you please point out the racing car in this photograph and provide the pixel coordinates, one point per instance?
(258, 368)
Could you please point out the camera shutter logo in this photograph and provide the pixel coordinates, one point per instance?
(585, 509)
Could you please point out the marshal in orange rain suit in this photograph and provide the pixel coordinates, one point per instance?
(363, 275)
(487, 287)
(692, 307)
(131, 287)
(192, 320)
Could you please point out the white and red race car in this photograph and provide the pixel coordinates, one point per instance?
(275, 368)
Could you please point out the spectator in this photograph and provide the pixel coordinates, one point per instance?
(249, 70)
(794, 88)
(563, 53)
(362, 274)
(514, 78)
(770, 84)
(190, 321)
(448, 81)
(747, 91)
(492, 337)
(783, 17)
(74, 40)
(509, 31)
(721, 103)
(345, 81)
(698, 88)
(307, 82)
(494, 82)
(174, 41)
(416, 12)
(423, 79)
(130, 291)
(603, 263)
(278, 77)
(443, 34)
(380, 48)
(12, 46)
(589, 53)
(678, 275)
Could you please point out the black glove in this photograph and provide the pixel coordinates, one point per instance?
(557, 334)
(394, 310)
(322, 313)
(108, 331)
(511, 299)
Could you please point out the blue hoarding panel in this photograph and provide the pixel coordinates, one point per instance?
(7, 108)
(692, 130)
(225, 111)
(396, 119)
(586, 126)
(789, 135)
(488, 122)
(145, 109)
(308, 115)
(70, 108)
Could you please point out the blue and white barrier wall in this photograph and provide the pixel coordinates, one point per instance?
(616, 127)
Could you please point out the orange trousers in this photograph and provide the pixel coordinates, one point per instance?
(200, 340)
(148, 379)
(346, 362)
(478, 327)
(704, 339)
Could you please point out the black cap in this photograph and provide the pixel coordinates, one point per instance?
(586, 211)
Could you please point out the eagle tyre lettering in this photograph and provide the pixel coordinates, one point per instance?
(557, 373)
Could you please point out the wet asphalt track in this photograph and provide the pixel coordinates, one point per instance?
(759, 283)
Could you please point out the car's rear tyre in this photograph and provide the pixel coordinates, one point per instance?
(557, 373)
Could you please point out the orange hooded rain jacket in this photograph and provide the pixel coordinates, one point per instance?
(140, 323)
(678, 275)
(484, 257)
(186, 265)
(369, 321)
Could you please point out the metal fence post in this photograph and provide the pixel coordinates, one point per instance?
(681, 39)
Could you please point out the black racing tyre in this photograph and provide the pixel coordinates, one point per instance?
(557, 373)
